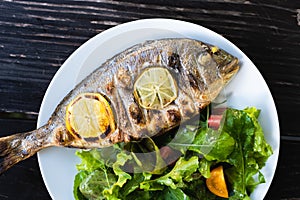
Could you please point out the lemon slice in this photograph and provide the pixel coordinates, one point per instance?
(155, 88)
(90, 115)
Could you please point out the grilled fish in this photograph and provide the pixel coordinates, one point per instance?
(200, 71)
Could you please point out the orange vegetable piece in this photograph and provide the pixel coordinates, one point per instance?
(216, 182)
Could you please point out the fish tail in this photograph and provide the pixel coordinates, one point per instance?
(18, 147)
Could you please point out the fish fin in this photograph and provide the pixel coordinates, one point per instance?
(18, 147)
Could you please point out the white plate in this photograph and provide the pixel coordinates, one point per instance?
(248, 88)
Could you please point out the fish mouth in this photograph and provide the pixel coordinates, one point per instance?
(229, 70)
(228, 64)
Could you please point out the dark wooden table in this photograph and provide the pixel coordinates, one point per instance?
(36, 37)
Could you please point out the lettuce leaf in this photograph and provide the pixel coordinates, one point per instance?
(184, 138)
(204, 167)
(182, 170)
(172, 194)
(212, 144)
(147, 157)
(197, 190)
(101, 177)
(96, 184)
(250, 151)
(133, 184)
(90, 160)
(77, 181)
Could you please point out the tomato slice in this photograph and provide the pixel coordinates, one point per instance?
(216, 182)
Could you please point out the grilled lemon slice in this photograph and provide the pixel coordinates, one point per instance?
(89, 115)
(155, 88)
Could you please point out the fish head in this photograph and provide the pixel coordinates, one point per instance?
(228, 65)
(213, 69)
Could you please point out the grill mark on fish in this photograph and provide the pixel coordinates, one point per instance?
(156, 122)
(174, 62)
(136, 113)
(193, 81)
(124, 77)
(107, 131)
(174, 116)
(184, 84)
(110, 87)
(89, 96)
(92, 139)
(76, 101)
(188, 108)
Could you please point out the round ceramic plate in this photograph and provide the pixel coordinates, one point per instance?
(248, 88)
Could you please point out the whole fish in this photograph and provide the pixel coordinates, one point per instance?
(200, 71)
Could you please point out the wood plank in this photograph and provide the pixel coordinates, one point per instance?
(285, 183)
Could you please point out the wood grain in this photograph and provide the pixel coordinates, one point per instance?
(36, 37)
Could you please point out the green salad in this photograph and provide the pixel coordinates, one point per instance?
(179, 164)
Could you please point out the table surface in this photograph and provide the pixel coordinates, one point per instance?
(36, 37)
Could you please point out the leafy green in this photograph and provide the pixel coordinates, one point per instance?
(77, 181)
(183, 138)
(97, 180)
(250, 151)
(139, 195)
(90, 160)
(213, 145)
(196, 190)
(96, 184)
(122, 176)
(182, 170)
(165, 194)
(172, 194)
(204, 167)
(132, 184)
(138, 170)
(148, 157)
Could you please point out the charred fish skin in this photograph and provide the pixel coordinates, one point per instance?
(200, 70)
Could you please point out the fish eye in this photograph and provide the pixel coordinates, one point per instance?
(204, 59)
